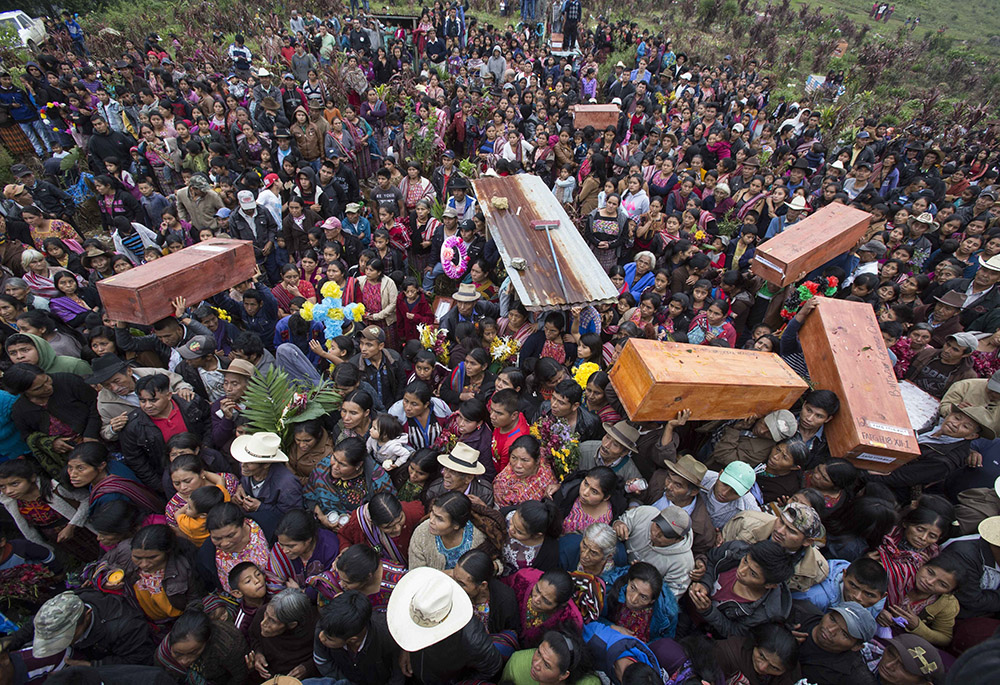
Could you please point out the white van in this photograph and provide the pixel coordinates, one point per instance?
(30, 31)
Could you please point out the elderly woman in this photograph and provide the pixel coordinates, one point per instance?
(39, 275)
(281, 636)
(386, 524)
(342, 482)
(639, 274)
(591, 554)
(526, 477)
(17, 288)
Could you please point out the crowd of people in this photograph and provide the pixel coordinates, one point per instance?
(477, 507)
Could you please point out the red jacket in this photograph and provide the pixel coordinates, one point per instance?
(406, 327)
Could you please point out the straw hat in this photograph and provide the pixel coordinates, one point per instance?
(462, 458)
(989, 530)
(624, 434)
(259, 448)
(466, 293)
(690, 469)
(425, 607)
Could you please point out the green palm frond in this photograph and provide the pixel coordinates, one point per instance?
(266, 398)
(274, 403)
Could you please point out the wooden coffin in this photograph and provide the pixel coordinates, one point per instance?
(556, 41)
(810, 243)
(654, 380)
(845, 353)
(143, 295)
(598, 116)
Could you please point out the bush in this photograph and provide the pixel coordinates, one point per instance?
(5, 161)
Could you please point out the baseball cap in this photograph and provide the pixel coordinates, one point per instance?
(373, 333)
(449, 153)
(616, 101)
(450, 212)
(781, 424)
(196, 347)
(965, 340)
(740, 476)
(271, 179)
(738, 128)
(860, 623)
(223, 212)
(673, 522)
(332, 222)
(247, 200)
(19, 170)
(55, 624)
(804, 519)
(918, 656)
(352, 208)
(864, 135)
(875, 247)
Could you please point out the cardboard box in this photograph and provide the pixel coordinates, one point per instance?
(843, 348)
(598, 116)
(143, 295)
(810, 243)
(654, 380)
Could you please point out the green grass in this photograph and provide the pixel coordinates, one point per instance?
(969, 23)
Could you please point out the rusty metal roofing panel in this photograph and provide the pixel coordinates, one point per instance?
(538, 285)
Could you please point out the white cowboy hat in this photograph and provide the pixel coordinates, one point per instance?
(797, 203)
(993, 263)
(259, 448)
(425, 607)
(464, 459)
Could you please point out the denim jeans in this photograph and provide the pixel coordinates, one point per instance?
(38, 134)
(429, 277)
(527, 10)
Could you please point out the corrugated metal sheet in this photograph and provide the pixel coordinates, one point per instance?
(538, 285)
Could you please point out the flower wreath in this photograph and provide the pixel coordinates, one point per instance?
(806, 291)
(451, 245)
(331, 313)
(43, 114)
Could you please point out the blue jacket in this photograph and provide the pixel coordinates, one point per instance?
(645, 282)
(831, 591)
(606, 646)
(262, 323)
(665, 611)
(11, 444)
(25, 112)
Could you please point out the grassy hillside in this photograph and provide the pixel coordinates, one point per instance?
(945, 72)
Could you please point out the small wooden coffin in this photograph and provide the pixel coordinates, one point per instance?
(845, 353)
(143, 295)
(655, 380)
(812, 242)
(598, 116)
